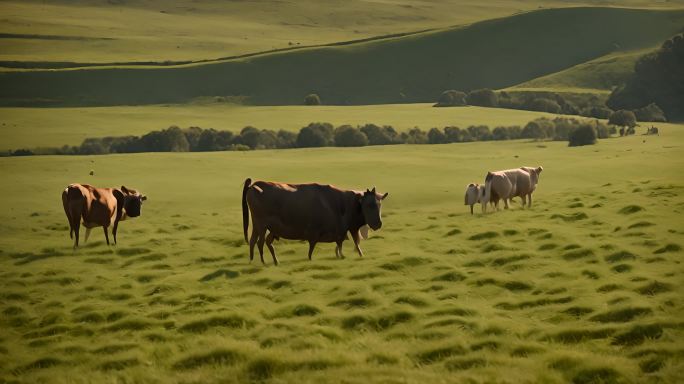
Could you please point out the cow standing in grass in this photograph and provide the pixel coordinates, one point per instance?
(99, 207)
(510, 183)
(312, 212)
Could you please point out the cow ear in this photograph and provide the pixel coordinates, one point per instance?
(373, 190)
(539, 169)
(143, 197)
(124, 189)
(384, 196)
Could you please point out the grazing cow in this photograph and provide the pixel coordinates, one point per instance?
(472, 195)
(99, 207)
(652, 131)
(510, 183)
(312, 212)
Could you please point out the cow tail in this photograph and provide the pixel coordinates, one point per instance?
(65, 203)
(245, 208)
(488, 188)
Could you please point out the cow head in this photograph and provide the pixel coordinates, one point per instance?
(371, 204)
(535, 174)
(132, 201)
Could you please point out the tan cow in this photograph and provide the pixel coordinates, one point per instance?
(312, 212)
(472, 195)
(510, 183)
(99, 207)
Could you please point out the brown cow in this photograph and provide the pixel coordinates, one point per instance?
(99, 207)
(312, 212)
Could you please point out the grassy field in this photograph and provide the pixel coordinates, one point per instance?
(585, 287)
(54, 127)
(495, 53)
(95, 31)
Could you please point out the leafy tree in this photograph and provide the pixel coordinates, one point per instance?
(312, 99)
(316, 135)
(658, 78)
(582, 135)
(545, 105)
(650, 112)
(451, 98)
(348, 136)
(415, 136)
(436, 136)
(500, 133)
(623, 118)
(483, 98)
(286, 139)
(453, 134)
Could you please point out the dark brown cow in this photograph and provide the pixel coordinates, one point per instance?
(99, 207)
(312, 212)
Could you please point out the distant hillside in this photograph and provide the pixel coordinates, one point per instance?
(496, 54)
(600, 75)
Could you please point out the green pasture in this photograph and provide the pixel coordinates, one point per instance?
(584, 287)
(132, 30)
(54, 127)
(494, 54)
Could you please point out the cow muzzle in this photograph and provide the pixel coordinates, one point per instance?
(376, 226)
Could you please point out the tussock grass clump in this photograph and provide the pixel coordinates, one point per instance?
(601, 375)
(620, 256)
(653, 364)
(133, 251)
(621, 315)
(578, 311)
(413, 301)
(228, 274)
(638, 334)
(452, 276)
(591, 274)
(489, 344)
(622, 268)
(609, 288)
(434, 355)
(42, 363)
(547, 246)
(354, 302)
(379, 323)
(220, 356)
(453, 232)
(507, 260)
(525, 351)
(640, 224)
(578, 254)
(129, 325)
(570, 217)
(382, 359)
(668, 248)
(484, 235)
(630, 209)
(654, 288)
(534, 303)
(114, 348)
(462, 364)
(492, 247)
(230, 321)
(453, 312)
(117, 365)
(574, 336)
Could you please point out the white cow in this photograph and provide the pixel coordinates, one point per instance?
(510, 183)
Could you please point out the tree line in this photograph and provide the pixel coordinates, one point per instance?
(196, 139)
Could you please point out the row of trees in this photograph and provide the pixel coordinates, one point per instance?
(196, 139)
(550, 102)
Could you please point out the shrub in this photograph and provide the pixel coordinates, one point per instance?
(582, 135)
(436, 136)
(312, 99)
(415, 136)
(286, 139)
(597, 112)
(650, 112)
(348, 136)
(192, 134)
(623, 118)
(453, 134)
(479, 132)
(380, 135)
(21, 152)
(500, 133)
(545, 105)
(451, 98)
(538, 129)
(483, 98)
(316, 135)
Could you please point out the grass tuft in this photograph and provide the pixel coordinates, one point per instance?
(220, 356)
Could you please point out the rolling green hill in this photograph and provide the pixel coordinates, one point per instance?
(496, 54)
(97, 31)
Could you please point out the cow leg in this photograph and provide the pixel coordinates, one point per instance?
(260, 244)
(269, 244)
(471, 209)
(87, 235)
(106, 234)
(77, 230)
(355, 237)
(506, 203)
(312, 245)
(252, 242)
(338, 250)
(529, 197)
